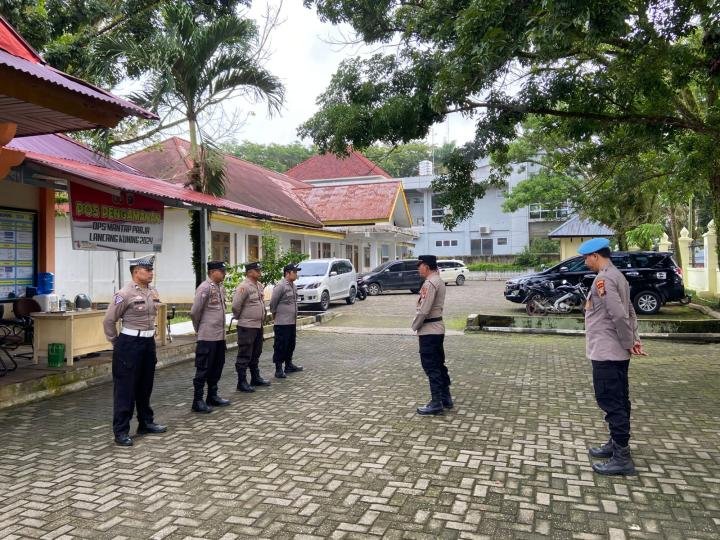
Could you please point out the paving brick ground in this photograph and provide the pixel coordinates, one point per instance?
(337, 451)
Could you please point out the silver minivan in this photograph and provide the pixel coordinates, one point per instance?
(321, 281)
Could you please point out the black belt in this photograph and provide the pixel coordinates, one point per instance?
(434, 319)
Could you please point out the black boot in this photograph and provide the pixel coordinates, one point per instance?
(292, 368)
(242, 384)
(434, 407)
(215, 400)
(256, 379)
(279, 373)
(199, 406)
(604, 451)
(621, 462)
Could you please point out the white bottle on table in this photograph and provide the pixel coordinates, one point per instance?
(63, 303)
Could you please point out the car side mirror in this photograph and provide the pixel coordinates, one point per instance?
(563, 268)
(333, 273)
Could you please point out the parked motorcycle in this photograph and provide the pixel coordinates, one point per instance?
(362, 290)
(545, 298)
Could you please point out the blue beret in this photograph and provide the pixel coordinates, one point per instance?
(594, 244)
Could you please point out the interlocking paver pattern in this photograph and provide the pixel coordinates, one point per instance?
(338, 452)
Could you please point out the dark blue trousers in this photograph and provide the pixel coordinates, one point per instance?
(209, 363)
(133, 369)
(432, 358)
(612, 392)
(284, 344)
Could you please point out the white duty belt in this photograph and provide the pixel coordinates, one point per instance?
(138, 333)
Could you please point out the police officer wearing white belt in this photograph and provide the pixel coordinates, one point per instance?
(208, 318)
(611, 338)
(428, 324)
(134, 358)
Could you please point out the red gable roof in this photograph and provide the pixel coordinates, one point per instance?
(327, 166)
(246, 183)
(13, 43)
(353, 203)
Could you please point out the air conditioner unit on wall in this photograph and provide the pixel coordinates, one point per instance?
(484, 230)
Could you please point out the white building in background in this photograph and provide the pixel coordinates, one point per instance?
(489, 231)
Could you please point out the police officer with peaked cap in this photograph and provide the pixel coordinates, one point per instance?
(134, 358)
(248, 308)
(611, 338)
(283, 306)
(428, 324)
(208, 318)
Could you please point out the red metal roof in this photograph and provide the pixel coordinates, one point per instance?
(13, 43)
(259, 187)
(352, 203)
(327, 166)
(139, 184)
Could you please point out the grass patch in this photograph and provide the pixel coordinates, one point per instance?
(494, 267)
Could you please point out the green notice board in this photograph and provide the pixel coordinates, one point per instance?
(18, 262)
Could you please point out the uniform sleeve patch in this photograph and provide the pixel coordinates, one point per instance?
(600, 285)
(118, 299)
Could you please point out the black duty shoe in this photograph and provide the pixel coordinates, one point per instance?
(621, 463)
(123, 439)
(217, 401)
(292, 368)
(243, 386)
(199, 406)
(604, 451)
(434, 407)
(151, 428)
(279, 373)
(259, 381)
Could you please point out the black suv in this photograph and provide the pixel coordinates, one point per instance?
(654, 278)
(393, 275)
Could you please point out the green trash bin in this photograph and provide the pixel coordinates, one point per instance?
(56, 354)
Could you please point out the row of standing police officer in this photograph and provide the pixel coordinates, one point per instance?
(134, 354)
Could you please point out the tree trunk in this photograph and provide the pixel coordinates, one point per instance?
(715, 201)
(674, 235)
(197, 263)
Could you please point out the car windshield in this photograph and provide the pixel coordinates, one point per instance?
(380, 268)
(312, 269)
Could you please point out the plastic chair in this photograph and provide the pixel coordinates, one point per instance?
(9, 341)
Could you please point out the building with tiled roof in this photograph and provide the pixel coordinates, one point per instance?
(575, 231)
(329, 167)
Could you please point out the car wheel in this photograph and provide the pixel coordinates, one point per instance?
(374, 289)
(460, 280)
(353, 295)
(324, 301)
(647, 303)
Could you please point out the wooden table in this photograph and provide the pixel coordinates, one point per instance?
(81, 332)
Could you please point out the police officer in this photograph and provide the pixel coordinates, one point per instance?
(208, 319)
(611, 338)
(249, 309)
(134, 359)
(430, 329)
(283, 306)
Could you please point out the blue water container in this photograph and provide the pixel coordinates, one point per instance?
(45, 282)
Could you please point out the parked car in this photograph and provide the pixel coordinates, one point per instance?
(654, 278)
(452, 271)
(321, 281)
(393, 276)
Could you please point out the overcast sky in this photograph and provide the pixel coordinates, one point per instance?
(304, 60)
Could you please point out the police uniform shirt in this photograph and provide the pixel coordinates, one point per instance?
(430, 306)
(283, 303)
(248, 305)
(610, 320)
(208, 311)
(135, 305)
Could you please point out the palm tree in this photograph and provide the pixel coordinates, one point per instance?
(195, 64)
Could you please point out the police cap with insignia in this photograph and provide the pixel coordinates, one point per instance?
(430, 260)
(216, 265)
(593, 246)
(290, 268)
(148, 261)
(253, 266)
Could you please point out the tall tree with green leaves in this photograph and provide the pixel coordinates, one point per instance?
(647, 69)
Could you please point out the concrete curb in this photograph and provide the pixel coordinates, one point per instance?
(674, 336)
(706, 310)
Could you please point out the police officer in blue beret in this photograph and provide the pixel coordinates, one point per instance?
(611, 338)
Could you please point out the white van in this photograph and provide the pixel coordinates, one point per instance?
(321, 281)
(452, 271)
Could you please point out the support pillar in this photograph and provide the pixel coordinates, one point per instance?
(711, 258)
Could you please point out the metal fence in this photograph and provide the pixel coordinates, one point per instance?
(493, 275)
